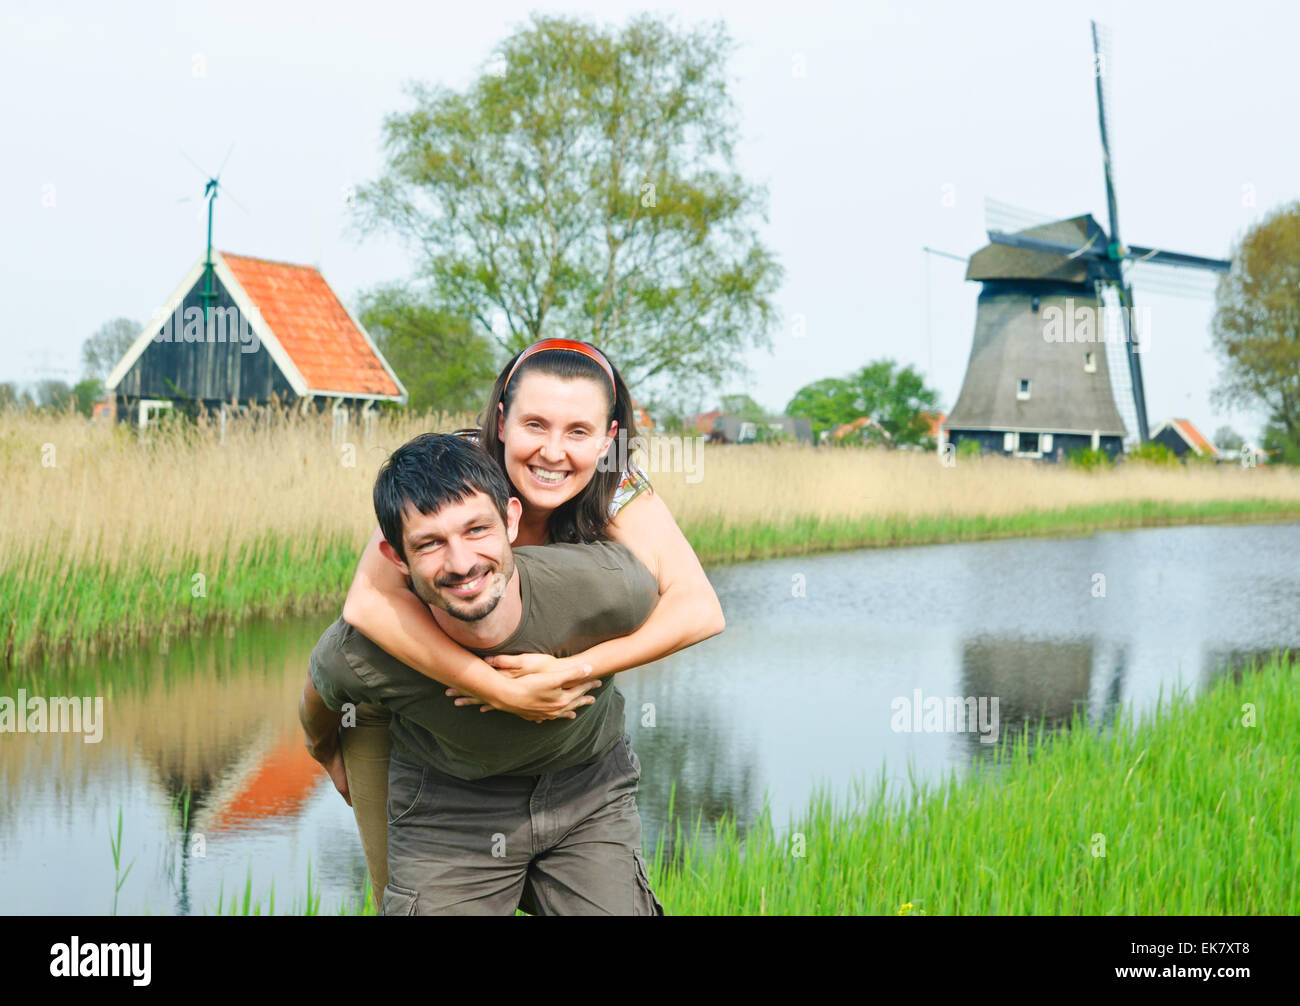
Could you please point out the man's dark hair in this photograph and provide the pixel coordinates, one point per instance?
(430, 471)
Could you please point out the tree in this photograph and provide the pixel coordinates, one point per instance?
(1256, 328)
(587, 190)
(14, 397)
(53, 394)
(744, 407)
(827, 404)
(1281, 445)
(86, 393)
(442, 363)
(1228, 439)
(100, 352)
(894, 398)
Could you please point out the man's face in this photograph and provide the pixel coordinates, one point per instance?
(459, 559)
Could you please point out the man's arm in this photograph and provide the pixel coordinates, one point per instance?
(320, 724)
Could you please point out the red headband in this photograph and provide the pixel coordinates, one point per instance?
(573, 346)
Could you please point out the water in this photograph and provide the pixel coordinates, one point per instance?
(804, 689)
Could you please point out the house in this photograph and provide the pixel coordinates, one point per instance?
(729, 429)
(864, 428)
(703, 423)
(934, 423)
(644, 421)
(249, 331)
(1181, 437)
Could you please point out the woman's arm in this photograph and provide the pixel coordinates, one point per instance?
(688, 610)
(382, 607)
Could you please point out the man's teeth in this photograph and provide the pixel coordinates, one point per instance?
(548, 476)
(467, 586)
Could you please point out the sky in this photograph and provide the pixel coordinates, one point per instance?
(878, 129)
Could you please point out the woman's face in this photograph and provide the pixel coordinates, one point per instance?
(553, 436)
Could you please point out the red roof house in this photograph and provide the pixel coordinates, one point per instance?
(1180, 436)
(250, 330)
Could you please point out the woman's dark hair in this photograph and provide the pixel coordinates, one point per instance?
(430, 471)
(582, 518)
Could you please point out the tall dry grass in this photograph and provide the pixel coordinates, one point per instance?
(108, 535)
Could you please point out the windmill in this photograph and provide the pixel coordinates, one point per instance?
(208, 294)
(1027, 392)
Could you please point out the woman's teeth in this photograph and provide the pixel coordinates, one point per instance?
(545, 475)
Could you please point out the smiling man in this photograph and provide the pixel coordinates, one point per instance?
(487, 813)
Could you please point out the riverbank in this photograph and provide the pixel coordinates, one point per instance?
(110, 537)
(1186, 811)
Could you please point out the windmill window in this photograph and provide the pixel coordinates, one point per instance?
(1028, 443)
(1090, 362)
(1023, 393)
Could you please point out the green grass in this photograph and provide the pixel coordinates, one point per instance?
(1197, 812)
(91, 609)
(718, 542)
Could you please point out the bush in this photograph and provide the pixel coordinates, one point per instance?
(969, 449)
(1152, 453)
(1089, 458)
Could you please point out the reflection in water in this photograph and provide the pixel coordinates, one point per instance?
(1031, 698)
(202, 752)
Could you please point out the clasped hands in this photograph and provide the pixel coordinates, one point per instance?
(534, 686)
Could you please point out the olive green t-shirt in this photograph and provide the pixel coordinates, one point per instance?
(573, 597)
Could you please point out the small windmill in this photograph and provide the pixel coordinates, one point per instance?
(210, 189)
(1068, 262)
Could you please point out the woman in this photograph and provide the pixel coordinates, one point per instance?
(553, 414)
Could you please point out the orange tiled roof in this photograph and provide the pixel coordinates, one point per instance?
(704, 421)
(1194, 437)
(327, 348)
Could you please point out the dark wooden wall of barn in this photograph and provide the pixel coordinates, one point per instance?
(209, 370)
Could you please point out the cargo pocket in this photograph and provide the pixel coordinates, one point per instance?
(404, 791)
(647, 903)
(399, 901)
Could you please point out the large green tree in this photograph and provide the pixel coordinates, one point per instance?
(441, 361)
(1256, 328)
(585, 186)
(895, 397)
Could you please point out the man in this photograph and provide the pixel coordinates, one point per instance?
(487, 813)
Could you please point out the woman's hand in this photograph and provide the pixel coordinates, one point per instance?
(556, 692)
(517, 665)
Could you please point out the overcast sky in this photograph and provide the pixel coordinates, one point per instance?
(906, 117)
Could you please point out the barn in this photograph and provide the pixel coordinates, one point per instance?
(248, 331)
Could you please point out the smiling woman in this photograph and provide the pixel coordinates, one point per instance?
(554, 414)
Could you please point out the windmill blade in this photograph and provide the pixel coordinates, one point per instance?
(232, 198)
(1139, 254)
(225, 159)
(1134, 362)
(1006, 217)
(197, 166)
(1092, 248)
(1101, 67)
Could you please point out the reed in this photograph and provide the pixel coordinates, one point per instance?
(109, 537)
